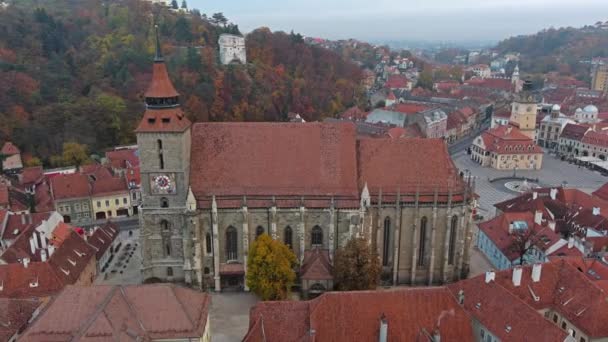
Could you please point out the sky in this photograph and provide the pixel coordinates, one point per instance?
(429, 20)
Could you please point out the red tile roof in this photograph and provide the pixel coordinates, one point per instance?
(354, 113)
(492, 83)
(122, 159)
(164, 120)
(455, 120)
(566, 290)
(396, 82)
(102, 238)
(4, 199)
(44, 198)
(316, 265)
(508, 318)
(14, 315)
(355, 316)
(21, 223)
(506, 139)
(574, 131)
(39, 279)
(408, 108)
(160, 86)
(9, 149)
(70, 186)
(596, 138)
(31, 175)
(109, 186)
(122, 313)
(406, 165)
(301, 159)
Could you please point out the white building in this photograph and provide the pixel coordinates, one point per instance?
(587, 115)
(232, 49)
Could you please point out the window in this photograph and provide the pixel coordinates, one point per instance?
(316, 236)
(452, 246)
(116, 201)
(107, 203)
(85, 206)
(164, 202)
(231, 244)
(134, 196)
(160, 144)
(164, 225)
(124, 200)
(208, 243)
(583, 339)
(564, 325)
(386, 241)
(422, 243)
(168, 249)
(77, 206)
(259, 231)
(169, 271)
(288, 237)
(206, 270)
(161, 161)
(482, 333)
(98, 204)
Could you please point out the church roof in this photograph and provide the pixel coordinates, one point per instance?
(9, 149)
(163, 120)
(303, 159)
(161, 86)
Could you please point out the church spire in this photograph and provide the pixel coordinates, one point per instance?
(159, 54)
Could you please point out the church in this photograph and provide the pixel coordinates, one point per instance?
(209, 189)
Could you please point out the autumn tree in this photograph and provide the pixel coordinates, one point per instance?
(75, 154)
(523, 240)
(356, 266)
(425, 80)
(270, 267)
(219, 18)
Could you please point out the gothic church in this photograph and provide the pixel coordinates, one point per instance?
(209, 189)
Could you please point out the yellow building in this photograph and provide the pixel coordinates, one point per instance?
(599, 79)
(110, 198)
(523, 115)
(506, 148)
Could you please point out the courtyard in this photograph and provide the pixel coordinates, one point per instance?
(554, 173)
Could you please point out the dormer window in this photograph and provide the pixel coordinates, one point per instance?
(72, 262)
(34, 283)
(166, 120)
(79, 254)
(1, 286)
(64, 271)
(151, 120)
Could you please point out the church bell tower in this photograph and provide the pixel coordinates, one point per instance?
(163, 139)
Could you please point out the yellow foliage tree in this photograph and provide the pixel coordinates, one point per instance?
(270, 267)
(75, 154)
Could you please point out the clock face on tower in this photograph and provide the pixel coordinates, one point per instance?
(162, 184)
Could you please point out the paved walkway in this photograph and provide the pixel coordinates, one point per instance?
(229, 316)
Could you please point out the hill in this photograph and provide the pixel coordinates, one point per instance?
(75, 70)
(564, 50)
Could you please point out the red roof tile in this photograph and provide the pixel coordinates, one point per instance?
(397, 82)
(122, 313)
(355, 316)
(408, 108)
(302, 159)
(163, 120)
(388, 164)
(160, 86)
(102, 238)
(31, 175)
(316, 265)
(9, 149)
(596, 138)
(4, 200)
(109, 186)
(508, 318)
(122, 159)
(505, 139)
(14, 315)
(37, 280)
(70, 186)
(354, 113)
(574, 131)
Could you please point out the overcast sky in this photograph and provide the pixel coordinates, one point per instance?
(454, 20)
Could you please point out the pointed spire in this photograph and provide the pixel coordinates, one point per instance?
(159, 54)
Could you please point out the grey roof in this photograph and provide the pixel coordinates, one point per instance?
(387, 117)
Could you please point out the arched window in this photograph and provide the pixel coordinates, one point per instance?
(422, 243)
(164, 202)
(386, 244)
(208, 243)
(452, 246)
(164, 225)
(259, 231)
(316, 236)
(206, 270)
(288, 237)
(169, 271)
(231, 244)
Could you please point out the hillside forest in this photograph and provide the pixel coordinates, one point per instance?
(76, 70)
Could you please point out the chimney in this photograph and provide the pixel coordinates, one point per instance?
(596, 211)
(436, 336)
(383, 335)
(552, 225)
(570, 242)
(534, 195)
(511, 226)
(553, 194)
(22, 219)
(43, 255)
(26, 262)
(536, 269)
(461, 297)
(517, 272)
(490, 276)
(538, 217)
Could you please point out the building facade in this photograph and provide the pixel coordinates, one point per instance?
(599, 78)
(551, 128)
(210, 189)
(523, 114)
(506, 148)
(232, 49)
